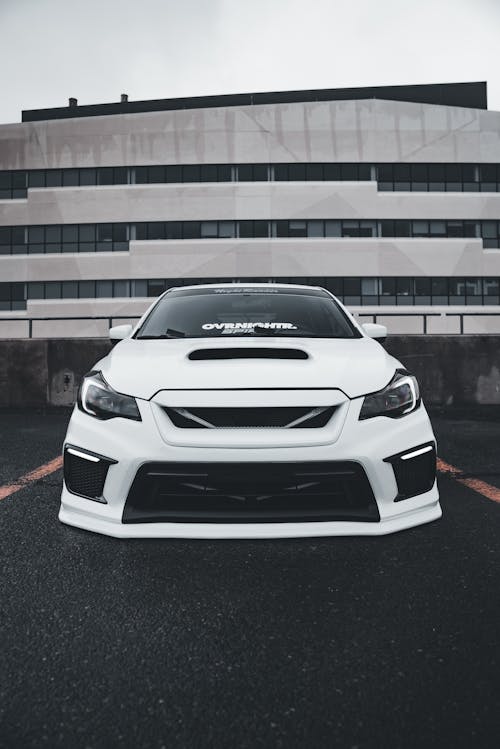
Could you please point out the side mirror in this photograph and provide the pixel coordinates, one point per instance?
(373, 330)
(119, 332)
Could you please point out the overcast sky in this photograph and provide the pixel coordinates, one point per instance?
(95, 50)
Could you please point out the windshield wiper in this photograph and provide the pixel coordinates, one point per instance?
(169, 333)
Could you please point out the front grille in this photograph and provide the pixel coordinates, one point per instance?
(85, 477)
(414, 475)
(285, 418)
(250, 492)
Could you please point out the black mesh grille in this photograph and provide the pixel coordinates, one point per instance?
(415, 475)
(250, 492)
(85, 477)
(206, 418)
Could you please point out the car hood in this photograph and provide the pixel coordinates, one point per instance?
(144, 367)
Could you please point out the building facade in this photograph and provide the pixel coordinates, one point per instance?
(388, 197)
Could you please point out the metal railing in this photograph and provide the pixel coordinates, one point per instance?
(374, 317)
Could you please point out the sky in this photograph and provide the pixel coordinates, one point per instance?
(95, 50)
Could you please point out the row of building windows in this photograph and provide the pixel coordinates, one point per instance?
(405, 177)
(352, 291)
(56, 238)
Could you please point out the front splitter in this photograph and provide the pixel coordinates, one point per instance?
(399, 522)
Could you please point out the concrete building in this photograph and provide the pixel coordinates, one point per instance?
(389, 197)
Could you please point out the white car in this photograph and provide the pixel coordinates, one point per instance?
(248, 411)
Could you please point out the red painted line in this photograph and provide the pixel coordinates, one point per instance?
(29, 478)
(481, 487)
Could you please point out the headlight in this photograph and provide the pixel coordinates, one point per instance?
(400, 397)
(98, 399)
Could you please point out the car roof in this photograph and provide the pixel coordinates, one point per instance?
(246, 285)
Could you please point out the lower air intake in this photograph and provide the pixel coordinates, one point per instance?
(250, 493)
(414, 470)
(85, 476)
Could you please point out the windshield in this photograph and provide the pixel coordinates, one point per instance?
(240, 311)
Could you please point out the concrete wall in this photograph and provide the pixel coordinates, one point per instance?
(452, 370)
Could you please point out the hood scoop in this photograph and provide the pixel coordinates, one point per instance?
(251, 352)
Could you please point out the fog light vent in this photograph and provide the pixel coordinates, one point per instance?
(85, 473)
(414, 470)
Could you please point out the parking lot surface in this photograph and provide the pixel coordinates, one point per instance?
(348, 642)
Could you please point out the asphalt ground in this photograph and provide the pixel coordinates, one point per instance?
(337, 642)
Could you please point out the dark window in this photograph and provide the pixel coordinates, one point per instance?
(87, 232)
(155, 288)
(297, 228)
(385, 173)
(36, 179)
(488, 173)
(53, 178)
(401, 172)
(104, 232)
(70, 289)
(18, 235)
(173, 173)
(156, 174)
(121, 288)
(141, 175)
(191, 173)
(314, 172)
(71, 178)
(260, 173)
(297, 172)
(436, 172)
(36, 234)
(223, 174)
(174, 230)
(156, 230)
(349, 172)
(402, 228)
(52, 290)
(120, 175)
(419, 172)
(141, 231)
(140, 288)
(364, 172)
(331, 172)
(226, 229)
(119, 232)
(280, 172)
(86, 289)
(246, 229)
(88, 177)
(208, 229)
(208, 173)
(70, 233)
(36, 290)
(191, 229)
(261, 228)
(4, 235)
(387, 228)
(105, 176)
(104, 289)
(282, 229)
(52, 234)
(19, 180)
(352, 286)
(404, 286)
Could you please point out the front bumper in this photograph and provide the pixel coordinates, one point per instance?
(134, 444)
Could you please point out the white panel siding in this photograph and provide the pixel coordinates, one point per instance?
(364, 130)
(227, 201)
